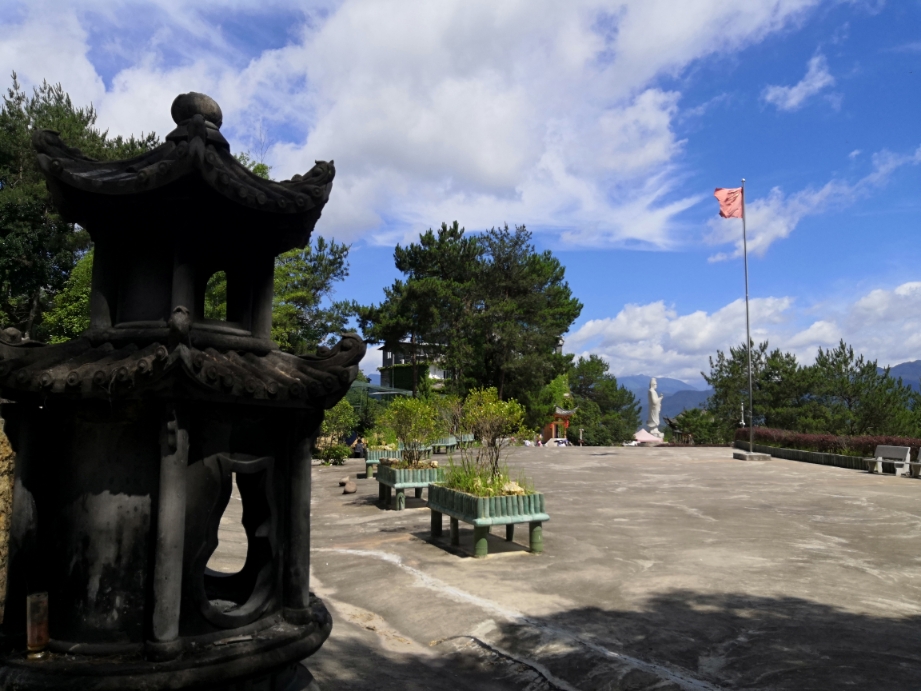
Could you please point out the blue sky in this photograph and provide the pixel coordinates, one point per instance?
(602, 126)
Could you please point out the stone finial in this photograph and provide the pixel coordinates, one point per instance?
(187, 106)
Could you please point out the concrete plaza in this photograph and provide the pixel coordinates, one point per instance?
(663, 569)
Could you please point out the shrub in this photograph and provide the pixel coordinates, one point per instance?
(339, 421)
(491, 421)
(415, 422)
(481, 481)
(701, 424)
(827, 443)
(494, 423)
(335, 454)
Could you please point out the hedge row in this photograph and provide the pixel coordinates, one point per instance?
(827, 443)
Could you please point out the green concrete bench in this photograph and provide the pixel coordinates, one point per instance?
(446, 443)
(393, 483)
(425, 451)
(465, 440)
(373, 458)
(484, 512)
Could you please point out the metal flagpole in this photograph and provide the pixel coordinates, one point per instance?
(748, 333)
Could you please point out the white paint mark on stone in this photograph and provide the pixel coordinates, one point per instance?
(681, 678)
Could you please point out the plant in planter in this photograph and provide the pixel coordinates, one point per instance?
(479, 490)
(338, 422)
(416, 423)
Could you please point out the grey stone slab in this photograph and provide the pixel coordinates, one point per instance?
(663, 568)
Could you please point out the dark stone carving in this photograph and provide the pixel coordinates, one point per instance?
(128, 438)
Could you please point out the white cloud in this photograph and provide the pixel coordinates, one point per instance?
(545, 113)
(884, 324)
(655, 338)
(774, 217)
(790, 98)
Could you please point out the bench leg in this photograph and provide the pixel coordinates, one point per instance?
(418, 493)
(436, 523)
(388, 493)
(399, 500)
(536, 538)
(455, 532)
(510, 532)
(381, 492)
(480, 546)
(369, 472)
(900, 470)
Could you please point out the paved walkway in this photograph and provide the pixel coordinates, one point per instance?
(664, 569)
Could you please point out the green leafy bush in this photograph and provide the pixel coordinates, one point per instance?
(494, 423)
(338, 422)
(335, 454)
(415, 422)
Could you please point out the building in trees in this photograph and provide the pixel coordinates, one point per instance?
(397, 366)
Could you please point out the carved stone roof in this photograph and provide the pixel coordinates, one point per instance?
(81, 185)
(82, 369)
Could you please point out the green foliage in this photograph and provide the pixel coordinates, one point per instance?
(415, 422)
(490, 307)
(216, 296)
(701, 425)
(304, 315)
(338, 422)
(554, 394)
(606, 412)
(38, 250)
(492, 422)
(335, 454)
(257, 168)
(841, 393)
(481, 481)
(70, 315)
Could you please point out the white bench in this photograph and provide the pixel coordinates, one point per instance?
(899, 456)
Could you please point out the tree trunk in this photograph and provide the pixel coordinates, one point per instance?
(33, 313)
(412, 340)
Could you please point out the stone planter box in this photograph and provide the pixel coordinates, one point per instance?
(373, 458)
(393, 483)
(484, 512)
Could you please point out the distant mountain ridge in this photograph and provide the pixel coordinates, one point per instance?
(666, 385)
(910, 373)
(679, 395)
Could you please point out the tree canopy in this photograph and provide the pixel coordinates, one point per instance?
(490, 306)
(840, 393)
(605, 412)
(38, 250)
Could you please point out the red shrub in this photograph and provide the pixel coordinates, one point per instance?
(827, 443)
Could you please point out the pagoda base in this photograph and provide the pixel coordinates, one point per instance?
(268, 661)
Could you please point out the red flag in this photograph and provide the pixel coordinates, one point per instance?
(730, 201)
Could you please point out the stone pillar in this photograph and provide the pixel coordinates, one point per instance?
(263, 292)
(167, 586)
(297, 568)
(183, 283)
(104, 292)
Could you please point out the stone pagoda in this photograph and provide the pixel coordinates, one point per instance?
(128, 439)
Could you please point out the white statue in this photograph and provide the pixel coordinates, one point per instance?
(655, 407)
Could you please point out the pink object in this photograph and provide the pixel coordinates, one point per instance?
(730, 201)
(644, 436)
